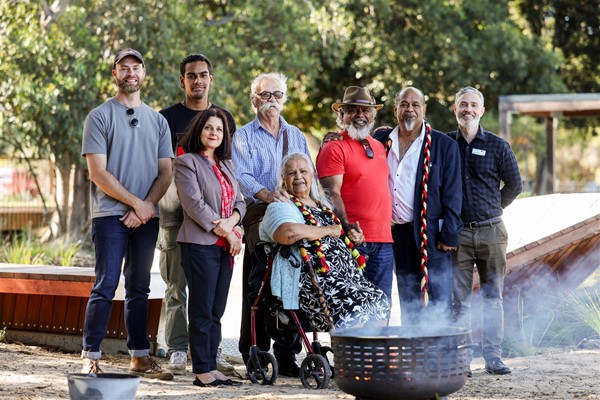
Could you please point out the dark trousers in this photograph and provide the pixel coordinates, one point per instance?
(408, 276)
(283, 354)
(208, 269)
(113, 242)
(484, 247)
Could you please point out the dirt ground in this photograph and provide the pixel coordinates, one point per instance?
(29, 372)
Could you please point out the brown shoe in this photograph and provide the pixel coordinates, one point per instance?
(90, 366)
(148, 368)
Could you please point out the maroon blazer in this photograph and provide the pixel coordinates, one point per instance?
(200, 195)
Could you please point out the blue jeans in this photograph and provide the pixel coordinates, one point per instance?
(113, 243)
(208, 269)
(380, 265)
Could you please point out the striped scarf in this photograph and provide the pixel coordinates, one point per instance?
(423, 231)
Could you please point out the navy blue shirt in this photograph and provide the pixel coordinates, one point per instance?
(486, 162)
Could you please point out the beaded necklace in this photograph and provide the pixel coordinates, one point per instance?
(304, 246)
(424, 284)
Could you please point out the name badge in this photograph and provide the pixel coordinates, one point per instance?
(478, 152)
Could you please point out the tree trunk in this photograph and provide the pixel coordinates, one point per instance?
(71, 199)
(79, 221)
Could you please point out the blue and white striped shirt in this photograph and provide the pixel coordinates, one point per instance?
(257, 155)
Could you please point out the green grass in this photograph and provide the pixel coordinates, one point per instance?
(562, 318)
(62, 253)
(583, 307)
(21, 251)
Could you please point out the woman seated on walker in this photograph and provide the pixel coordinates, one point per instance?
(308, 224)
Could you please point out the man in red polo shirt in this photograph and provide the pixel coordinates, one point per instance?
(354, 173)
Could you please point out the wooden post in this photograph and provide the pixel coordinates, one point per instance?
(551, 123)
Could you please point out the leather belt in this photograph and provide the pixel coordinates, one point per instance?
(487, 222)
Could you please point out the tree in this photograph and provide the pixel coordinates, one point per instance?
(55, 61)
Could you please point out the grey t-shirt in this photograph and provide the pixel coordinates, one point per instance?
(132, 152)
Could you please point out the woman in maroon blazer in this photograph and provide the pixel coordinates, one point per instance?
(210, 235)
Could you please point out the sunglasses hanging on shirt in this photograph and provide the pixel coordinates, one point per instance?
(134, 122)
(368, 148)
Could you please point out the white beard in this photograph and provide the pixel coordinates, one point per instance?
(409, 125)
(359, 134)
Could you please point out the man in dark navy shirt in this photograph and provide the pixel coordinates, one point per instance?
(196, 79)
(487, 162)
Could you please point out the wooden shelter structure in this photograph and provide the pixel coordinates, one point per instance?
(553, 247)
(551, 107)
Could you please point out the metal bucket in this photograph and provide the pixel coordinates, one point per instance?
(102, 386)
(400, 363)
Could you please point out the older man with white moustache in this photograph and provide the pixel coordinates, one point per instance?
(258, 149)
(354, 173)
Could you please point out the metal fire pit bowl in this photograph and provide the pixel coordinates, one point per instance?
(396, 363)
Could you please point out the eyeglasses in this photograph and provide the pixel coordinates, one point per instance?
(368, 148)
(133, 122)
(267, 95)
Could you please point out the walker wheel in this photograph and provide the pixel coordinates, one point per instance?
(315, 372)
(262, 368)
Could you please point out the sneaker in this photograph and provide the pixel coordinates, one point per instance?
(90, 366)
(225, 367)
(496, 366)
(148, 368)
(222, 364)
(177, 362)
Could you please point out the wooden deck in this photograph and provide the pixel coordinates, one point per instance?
(53, 299)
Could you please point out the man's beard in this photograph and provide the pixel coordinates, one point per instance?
(469, 124)
(265, 107)
(409, 124)
(128, 88)
(359, 133)
(198, 96)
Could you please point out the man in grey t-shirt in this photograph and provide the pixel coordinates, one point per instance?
(127, 146)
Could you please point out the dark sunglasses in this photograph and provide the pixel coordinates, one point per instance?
(368, 148)
(133, 122)
(267, 95)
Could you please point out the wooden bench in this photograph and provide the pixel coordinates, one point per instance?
(53, 299)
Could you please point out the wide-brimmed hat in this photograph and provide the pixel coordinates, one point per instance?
(357, 96)
(127, 52)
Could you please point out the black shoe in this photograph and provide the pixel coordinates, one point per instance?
(214, 383)
(469, 372)
(229, 382)
(496, 366)
(290, 369)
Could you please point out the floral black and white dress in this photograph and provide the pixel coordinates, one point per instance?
(351, 298)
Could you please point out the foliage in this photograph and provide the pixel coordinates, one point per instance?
(3, 334)
(584, 308)
(62, 253)
(558, 319)
(21, 251)
(573, 27)
(55, 60)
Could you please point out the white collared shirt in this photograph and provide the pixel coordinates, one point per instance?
(403, 175)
